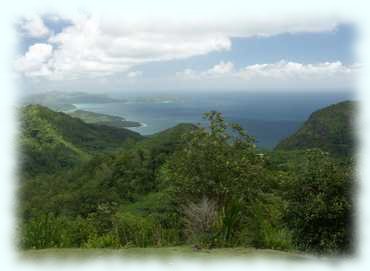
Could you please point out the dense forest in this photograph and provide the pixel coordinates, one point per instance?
(94, 186)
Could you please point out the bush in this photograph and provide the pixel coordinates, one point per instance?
(45, 231)
(109, 240)
(200, 220)
(265, 227)
(321, 219)
(80, 231)
(137, 231)
(229, 224)
(276, 238)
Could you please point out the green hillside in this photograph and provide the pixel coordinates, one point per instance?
(169, 137)
(103, 119)
(330, 129)
(201, 186)
(51, 141)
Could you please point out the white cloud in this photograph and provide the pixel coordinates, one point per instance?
(34, 27)
(36, 61)
(93, 46)
(221, 68)
(277, 74)
(134, 74)
(284, 70)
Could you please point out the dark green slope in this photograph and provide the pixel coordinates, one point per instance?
(169, 137)
(52, 140)
(330, 129)
(108, 178)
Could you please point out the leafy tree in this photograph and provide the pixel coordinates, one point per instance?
(319, 204)
(219, 162)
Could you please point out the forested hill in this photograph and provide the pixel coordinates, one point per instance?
(330, 129)
(51, 140)
(169, 138)
(93, 186)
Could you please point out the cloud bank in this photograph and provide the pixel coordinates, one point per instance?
(282, 73)
(93, 46)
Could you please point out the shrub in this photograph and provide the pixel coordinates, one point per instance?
(229, 224)
(199, 220)
(81, 230)
(265, 227)
(109, 240)
(320, 207)
(137, 230)
(276, 238)
(45, 231)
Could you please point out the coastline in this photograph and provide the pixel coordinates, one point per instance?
(142, 124)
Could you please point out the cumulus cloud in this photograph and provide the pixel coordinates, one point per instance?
(36, 61)
(276, 74)
(34, 27)
(93, 46)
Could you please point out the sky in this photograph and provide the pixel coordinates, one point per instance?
(107, 53)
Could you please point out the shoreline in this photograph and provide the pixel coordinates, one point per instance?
(123, 119)
(142, 124)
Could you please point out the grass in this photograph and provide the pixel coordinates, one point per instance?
(162, 253)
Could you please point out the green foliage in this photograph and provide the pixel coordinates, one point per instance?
(330, 129)
(158, 205)
(108, 240)
(279, 238)
(319, 204)
(134, 230)
(52, 141)
(84, 186)
(215, 164)
(151, 220)
(219, 163)
(265, 225)
(103, 119)
(228, 225)
(45, 231)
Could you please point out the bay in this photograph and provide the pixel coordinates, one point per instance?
(268, 116)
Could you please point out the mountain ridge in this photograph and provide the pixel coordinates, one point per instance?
(329, 129)
(54, 140)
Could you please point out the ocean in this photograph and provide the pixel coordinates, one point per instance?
(268, 116)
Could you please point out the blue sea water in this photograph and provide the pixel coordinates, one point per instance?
(269, 116)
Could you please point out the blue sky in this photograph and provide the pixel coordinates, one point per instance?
(55, 26)
(89, 52)
(328, 46)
